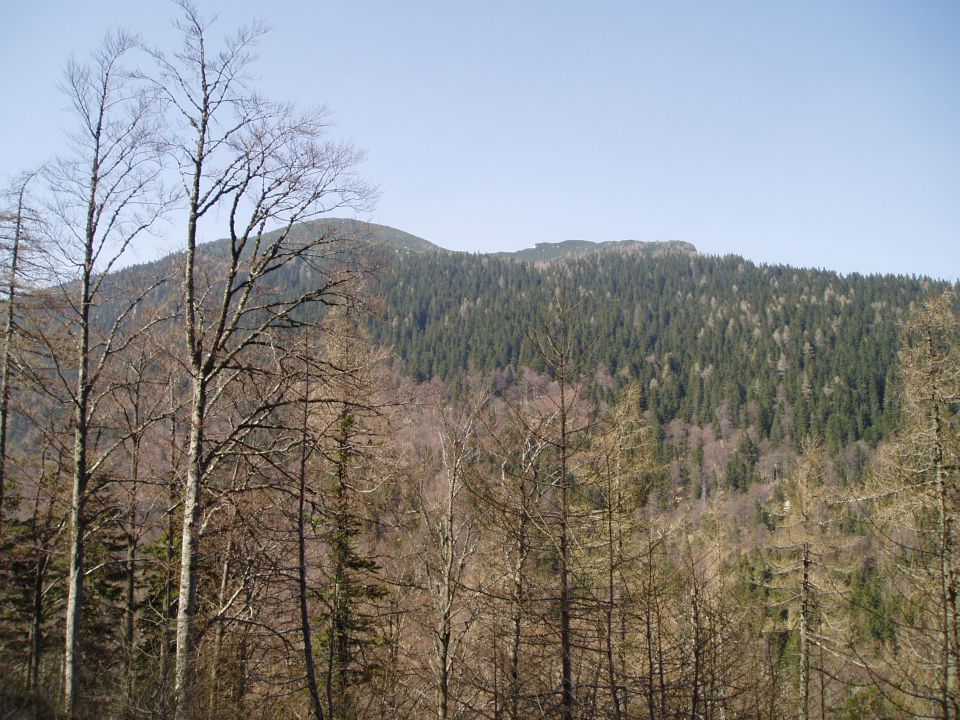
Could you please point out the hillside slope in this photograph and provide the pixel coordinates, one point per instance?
(710, 340)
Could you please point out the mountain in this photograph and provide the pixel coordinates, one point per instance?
(710, 340)
(390, 238)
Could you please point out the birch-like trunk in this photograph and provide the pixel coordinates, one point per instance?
(79, 493)
(189, 541)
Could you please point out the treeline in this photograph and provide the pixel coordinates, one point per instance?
(786, 350)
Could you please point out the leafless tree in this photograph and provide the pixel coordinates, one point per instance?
(103, 198)
(509, 500)
(264, 168)
(19, 238)
(450, 542)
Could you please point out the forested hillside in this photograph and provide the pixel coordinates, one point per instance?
(785, 349)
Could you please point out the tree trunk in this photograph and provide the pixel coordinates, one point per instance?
(186, 602)
(697, 642)
(189, 541)
(77, 502)
(950, 664)
(444, 626)
(36, 626)
(305, 629)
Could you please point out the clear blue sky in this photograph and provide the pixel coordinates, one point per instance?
(821, 134)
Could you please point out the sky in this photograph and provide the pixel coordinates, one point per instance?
(814, 134)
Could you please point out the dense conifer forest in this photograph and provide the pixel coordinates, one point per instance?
(796, 348)
(326, 469)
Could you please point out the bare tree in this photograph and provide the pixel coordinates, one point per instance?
(264, 168)
(18, 237)
(103, 198)
(452, 540)
(511, 515)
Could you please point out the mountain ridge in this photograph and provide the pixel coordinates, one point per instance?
(405, 243)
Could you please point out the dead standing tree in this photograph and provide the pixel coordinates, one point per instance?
(262, 166)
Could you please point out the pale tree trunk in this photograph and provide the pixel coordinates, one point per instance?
(112, 182)
(189, 541)
(453, 537)
(651, 627)
(926, 461)
(260, 164)
(696, 643)
(79, 494)
(948, 583)
(554, 345)
(950, 624)
(521, 488)
(446, 592)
